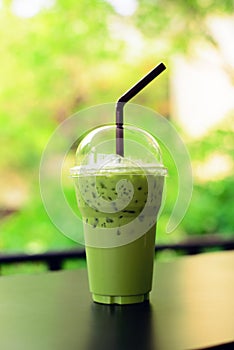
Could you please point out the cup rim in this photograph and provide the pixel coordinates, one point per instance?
(143, 169)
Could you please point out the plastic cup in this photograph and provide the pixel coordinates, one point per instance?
(119, 199)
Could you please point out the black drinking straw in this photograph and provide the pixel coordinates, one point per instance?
(128, 96)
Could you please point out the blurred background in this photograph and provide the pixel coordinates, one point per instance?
(60, 56)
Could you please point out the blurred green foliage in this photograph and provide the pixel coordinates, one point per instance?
(212, 209)
(74, 55)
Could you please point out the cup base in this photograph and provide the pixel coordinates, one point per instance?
(120, 300)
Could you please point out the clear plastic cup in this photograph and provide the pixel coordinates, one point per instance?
(119, 199)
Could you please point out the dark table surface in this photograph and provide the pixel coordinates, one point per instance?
(191, 307)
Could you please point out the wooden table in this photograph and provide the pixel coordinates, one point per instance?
(191, 307)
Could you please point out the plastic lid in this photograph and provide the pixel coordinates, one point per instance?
(96, 152)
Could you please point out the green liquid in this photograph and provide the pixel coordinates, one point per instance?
(120, 274)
